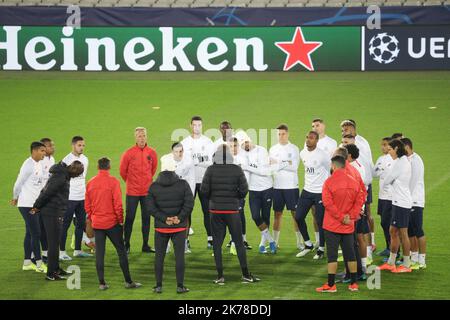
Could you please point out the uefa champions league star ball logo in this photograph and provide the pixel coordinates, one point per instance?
(383, 48)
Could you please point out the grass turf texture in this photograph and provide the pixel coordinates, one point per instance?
(105, 108)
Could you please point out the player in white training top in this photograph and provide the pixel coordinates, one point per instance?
(27, 188)
(200, 149)
(75, 206)
(260, 188)
(417, 187)
(285, 159)
(317, 165)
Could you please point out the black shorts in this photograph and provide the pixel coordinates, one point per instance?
(415, 227)
(383, 206)
(345, 241)
(400, 217)
(362, 225)
(369, 194)
(285, 198)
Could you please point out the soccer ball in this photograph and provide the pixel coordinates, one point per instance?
(383, 48)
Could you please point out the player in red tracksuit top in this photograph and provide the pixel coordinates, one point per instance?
(103, 205)
(137, 168)
(342, 199)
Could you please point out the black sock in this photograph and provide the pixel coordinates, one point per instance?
(245, 272)
(180, 285)
(331, 279)
(219, 274)
(353, 278)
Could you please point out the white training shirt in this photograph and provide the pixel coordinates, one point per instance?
(365, 157)
(317, 165)
(29, 183)
(47, 163)
(241, 160)
(417, 184)
(285, 175)
(78, 184)
(400, 177)
(259, 169)
(185, 169)
(197, 149)
(381, 169)
(362, 171)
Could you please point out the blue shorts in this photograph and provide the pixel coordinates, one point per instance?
(369, 194)
(415, 228)
(285, 198)
(400, 217)
(362, 225)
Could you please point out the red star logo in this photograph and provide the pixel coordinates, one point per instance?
(298, 51)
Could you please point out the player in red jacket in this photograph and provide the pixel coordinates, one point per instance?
(137, 168)
(103, 205)
(342, 198)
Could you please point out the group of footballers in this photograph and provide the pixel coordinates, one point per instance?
(272, 176)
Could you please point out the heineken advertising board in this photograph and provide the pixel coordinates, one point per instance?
(224, 48)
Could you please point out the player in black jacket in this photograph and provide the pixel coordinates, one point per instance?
(170, 201)
(51, 205)
(224, 184)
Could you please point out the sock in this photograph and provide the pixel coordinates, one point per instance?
(75, 252)
(244, 237)
(263, 239)
(85, 238)
(38, 263)
(308, 243)
(322, 249)
(92, 239)
(406, 261)
(364, 263)
(372, 235)
(369, 252)
(331, 278)
(44, 253)
(62, 253)
(353, 278)
(422, 258)
(317, 235)
(186, 243)
(392, 258)
(32, 255)
(298, 234)
(26, 262)
(276, 235)
(245, 272)
(415, 257)
(267, 235)
(209, 238)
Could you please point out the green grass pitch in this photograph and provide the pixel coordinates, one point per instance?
(106, 107)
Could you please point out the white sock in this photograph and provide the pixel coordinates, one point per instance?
(308, 243)
(85, 238)
(267, 235)
(372, 235)
(62, 253)
(38, 263)
(44, 253)
(32, 255)
(392, 258)
(186, 243)
(209, 238)
(92, 239)
(263, 240)
(75, 252)
(322, 249)
(244, 237)
(26, 262)
(298, 234)
(276, 235)
(415, 257)
(369, 252)
(364, 263)
(406, 261)
(317, 234)
(422, 258)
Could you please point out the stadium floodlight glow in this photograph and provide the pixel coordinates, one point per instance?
(210, 48)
